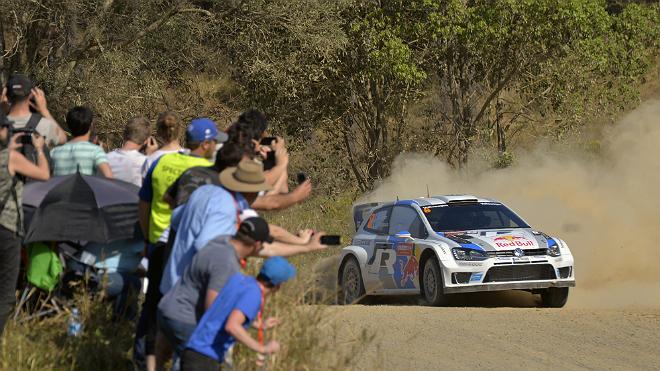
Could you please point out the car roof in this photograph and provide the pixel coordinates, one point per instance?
(440, 200)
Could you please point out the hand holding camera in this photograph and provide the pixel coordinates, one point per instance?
(38, 101)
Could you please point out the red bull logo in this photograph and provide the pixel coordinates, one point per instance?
(512, 241)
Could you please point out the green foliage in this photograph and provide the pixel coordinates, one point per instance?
(504, 160)
(341, 77)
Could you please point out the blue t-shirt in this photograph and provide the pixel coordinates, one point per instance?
(210, 338)
(210, 212)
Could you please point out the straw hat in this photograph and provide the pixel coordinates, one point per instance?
(247, 177)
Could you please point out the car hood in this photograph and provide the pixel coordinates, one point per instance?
(499, 240)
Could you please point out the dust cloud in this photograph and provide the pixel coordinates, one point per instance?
(606, 207)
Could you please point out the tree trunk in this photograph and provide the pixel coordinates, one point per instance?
(3, 72)
(501, 133)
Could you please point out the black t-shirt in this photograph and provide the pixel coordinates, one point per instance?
(190, 180)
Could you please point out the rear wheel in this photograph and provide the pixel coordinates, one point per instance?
(554, 297)
(352, 286)
(432, 287)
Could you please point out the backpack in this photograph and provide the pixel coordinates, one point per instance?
(30, 152)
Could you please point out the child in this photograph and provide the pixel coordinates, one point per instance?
(240, 302)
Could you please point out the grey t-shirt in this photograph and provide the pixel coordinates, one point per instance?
(46, 127)
(210, 269)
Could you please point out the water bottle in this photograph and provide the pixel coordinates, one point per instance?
(74, 324)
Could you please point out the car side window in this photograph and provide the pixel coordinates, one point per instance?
(405, 218)
(379, 221)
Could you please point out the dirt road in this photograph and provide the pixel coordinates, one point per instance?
(471, 336)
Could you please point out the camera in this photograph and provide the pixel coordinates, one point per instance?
(27, 135)
(267, 141)
(331, 240)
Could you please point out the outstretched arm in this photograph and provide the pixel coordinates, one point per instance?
(285, 249)
(283, 200)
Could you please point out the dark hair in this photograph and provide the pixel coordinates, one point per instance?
(13, 99)
(250, 125)
(265, 281)
(244, 238)
(168, 127)
(79, 120)
(137, 130)
(256, 119)
(230, 154)
(192, 144)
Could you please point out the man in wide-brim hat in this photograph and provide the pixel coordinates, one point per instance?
(215, 212)
(247, 178)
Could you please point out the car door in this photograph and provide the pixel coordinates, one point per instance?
(405, 265)
(378, 249)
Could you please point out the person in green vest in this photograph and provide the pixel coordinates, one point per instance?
(202, 137)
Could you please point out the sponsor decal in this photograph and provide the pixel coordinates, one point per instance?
(476, 277)
(406, 266)
(361, 242)
(512, 241)
(469, 264)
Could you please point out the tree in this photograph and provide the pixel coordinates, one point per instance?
(375, 78)
(483, 49)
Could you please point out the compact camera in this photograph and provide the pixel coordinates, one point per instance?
(27, 135)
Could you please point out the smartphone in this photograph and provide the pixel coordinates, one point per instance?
(267, 141)
(301, 178)
(269, 161)
(331, 240)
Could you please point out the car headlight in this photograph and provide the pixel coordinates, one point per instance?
(553, 249)
(461, 253)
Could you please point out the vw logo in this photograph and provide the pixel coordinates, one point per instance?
(518, 252)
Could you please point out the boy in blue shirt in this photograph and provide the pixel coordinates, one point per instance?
(238, 304)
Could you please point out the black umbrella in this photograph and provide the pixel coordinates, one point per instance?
(80, 208)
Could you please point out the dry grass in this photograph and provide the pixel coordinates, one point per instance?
(308, 331)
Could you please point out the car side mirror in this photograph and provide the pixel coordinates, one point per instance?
(403, 235)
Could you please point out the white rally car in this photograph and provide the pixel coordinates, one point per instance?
(442, 245)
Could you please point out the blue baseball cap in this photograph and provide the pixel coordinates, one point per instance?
(202, 128)
(277, 270)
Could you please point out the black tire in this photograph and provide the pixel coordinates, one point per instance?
(554, 297)
(352, 286)
(432, 284)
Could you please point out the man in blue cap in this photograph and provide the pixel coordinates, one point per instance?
(202, 136)
(240, 302)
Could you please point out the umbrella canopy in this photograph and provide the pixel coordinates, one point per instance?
(81, 208)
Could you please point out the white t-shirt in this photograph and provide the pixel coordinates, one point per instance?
(127, 165)
(46, 127)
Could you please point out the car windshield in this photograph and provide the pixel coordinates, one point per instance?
(473, 216)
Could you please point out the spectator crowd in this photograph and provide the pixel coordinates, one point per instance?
(197, 214)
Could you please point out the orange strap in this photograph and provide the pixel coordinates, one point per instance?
(260, 317)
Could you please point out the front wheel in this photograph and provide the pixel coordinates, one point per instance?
(352, 287)
(432, 287)
(554, 297)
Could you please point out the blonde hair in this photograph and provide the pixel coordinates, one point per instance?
(168, 127)
(137, 130)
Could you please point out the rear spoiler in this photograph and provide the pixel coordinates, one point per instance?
(361, 211)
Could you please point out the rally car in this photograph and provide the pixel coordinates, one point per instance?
(438, 246)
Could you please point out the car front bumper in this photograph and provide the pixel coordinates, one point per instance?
(497, 274)
(523, 285)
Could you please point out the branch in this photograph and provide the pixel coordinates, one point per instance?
(494, 93)
(153, 26)
(356, 171)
